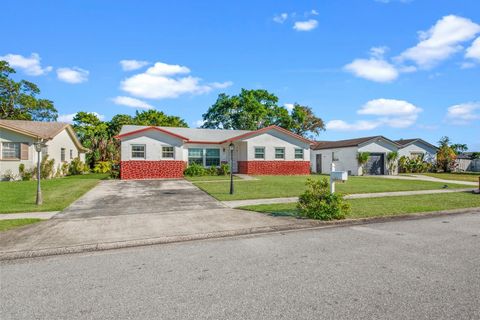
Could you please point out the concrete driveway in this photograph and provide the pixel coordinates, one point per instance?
(130, 213)
(121, 197)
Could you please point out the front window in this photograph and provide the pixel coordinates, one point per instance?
(334, 156)
(10, 150)
(62, 154)
(298, 153)
(138, 151)
(167, 152)
(195, 155)
(279, 153)
(71, 154)
(260, 153)
(212, 157)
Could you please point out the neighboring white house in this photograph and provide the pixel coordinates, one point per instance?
(417, 147)
(344, 153)
(164, 152)
(466, 162)
(17, 138)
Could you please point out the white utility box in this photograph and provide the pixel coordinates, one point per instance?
(339, 176)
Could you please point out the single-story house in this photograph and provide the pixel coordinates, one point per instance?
(17, 138)
(417, 147)
(149, 152)
(343, 154)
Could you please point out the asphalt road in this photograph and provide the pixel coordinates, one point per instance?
(421, 269)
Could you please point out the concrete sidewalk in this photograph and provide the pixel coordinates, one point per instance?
(28, 215)
(252, 202)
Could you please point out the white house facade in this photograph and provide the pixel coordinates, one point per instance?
(17, 138)
(164, 152)
(344, 153)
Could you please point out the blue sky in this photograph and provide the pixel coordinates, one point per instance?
(399, 68)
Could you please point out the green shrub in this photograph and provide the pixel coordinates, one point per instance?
(46, 168)
(211, 171)
(318, 203)
(194, 170)
(224, 169)
(115, 171)
(9, 176)
(362, 158)
(414, 164)
(25, 174)
(103, 167)
(76, 167)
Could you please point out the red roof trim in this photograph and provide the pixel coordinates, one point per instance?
(151, 128)
(259, 131)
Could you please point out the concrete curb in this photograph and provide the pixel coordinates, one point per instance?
(303, 225)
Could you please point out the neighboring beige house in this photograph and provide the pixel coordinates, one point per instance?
(17, 138)
(164, 152)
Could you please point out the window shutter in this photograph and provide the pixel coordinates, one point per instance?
(24, 151)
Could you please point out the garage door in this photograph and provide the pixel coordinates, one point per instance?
(376, 164)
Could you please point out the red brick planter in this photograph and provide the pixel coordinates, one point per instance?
(141, 169)
(274, 167)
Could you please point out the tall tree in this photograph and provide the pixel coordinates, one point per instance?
(305, 122)
(256, 109)
(18, 100)
(446, 156)
(157, 118)
(459, 147)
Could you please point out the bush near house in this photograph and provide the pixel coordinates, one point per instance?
(196, 170)
(415, 164)
(47, 171)
(362, 158)
(318, 203)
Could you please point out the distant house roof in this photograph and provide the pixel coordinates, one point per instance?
(40, 130)
(466, 155)
(406, 142)
(214, 136)
(346, 143)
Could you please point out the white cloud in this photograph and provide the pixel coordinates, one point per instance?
(441, 41)
(387, 107)
(72, 75)
(362, 125)
(289, 106)
(167, 81)
(373, 69)
(68, 118)
(199, 123)
(314, 12)
(389, 112)
(163, 69)
(129, 65)
(378, 52)
(305, 25)
(280, 18)
(464, 113)
(131, 102)
(473, 52)
(30, 65)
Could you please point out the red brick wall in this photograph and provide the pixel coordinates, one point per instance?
(274, 167)
(136, 169)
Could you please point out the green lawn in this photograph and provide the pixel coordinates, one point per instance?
(291, 186)
(455, 176)
(387, 206)
(14, 223)
(19, 196)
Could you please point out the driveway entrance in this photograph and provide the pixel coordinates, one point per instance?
(120, 197)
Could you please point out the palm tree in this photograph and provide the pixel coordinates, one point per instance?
(392, 158)
(362, 158)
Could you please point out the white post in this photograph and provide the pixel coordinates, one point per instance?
(332, 183)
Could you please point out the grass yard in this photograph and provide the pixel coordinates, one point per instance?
(292, 186)
(14, 223)
(387, 206)
(473, 177)
(19, 196)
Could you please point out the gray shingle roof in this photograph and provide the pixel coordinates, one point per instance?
(207, 135)
(342, 143)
